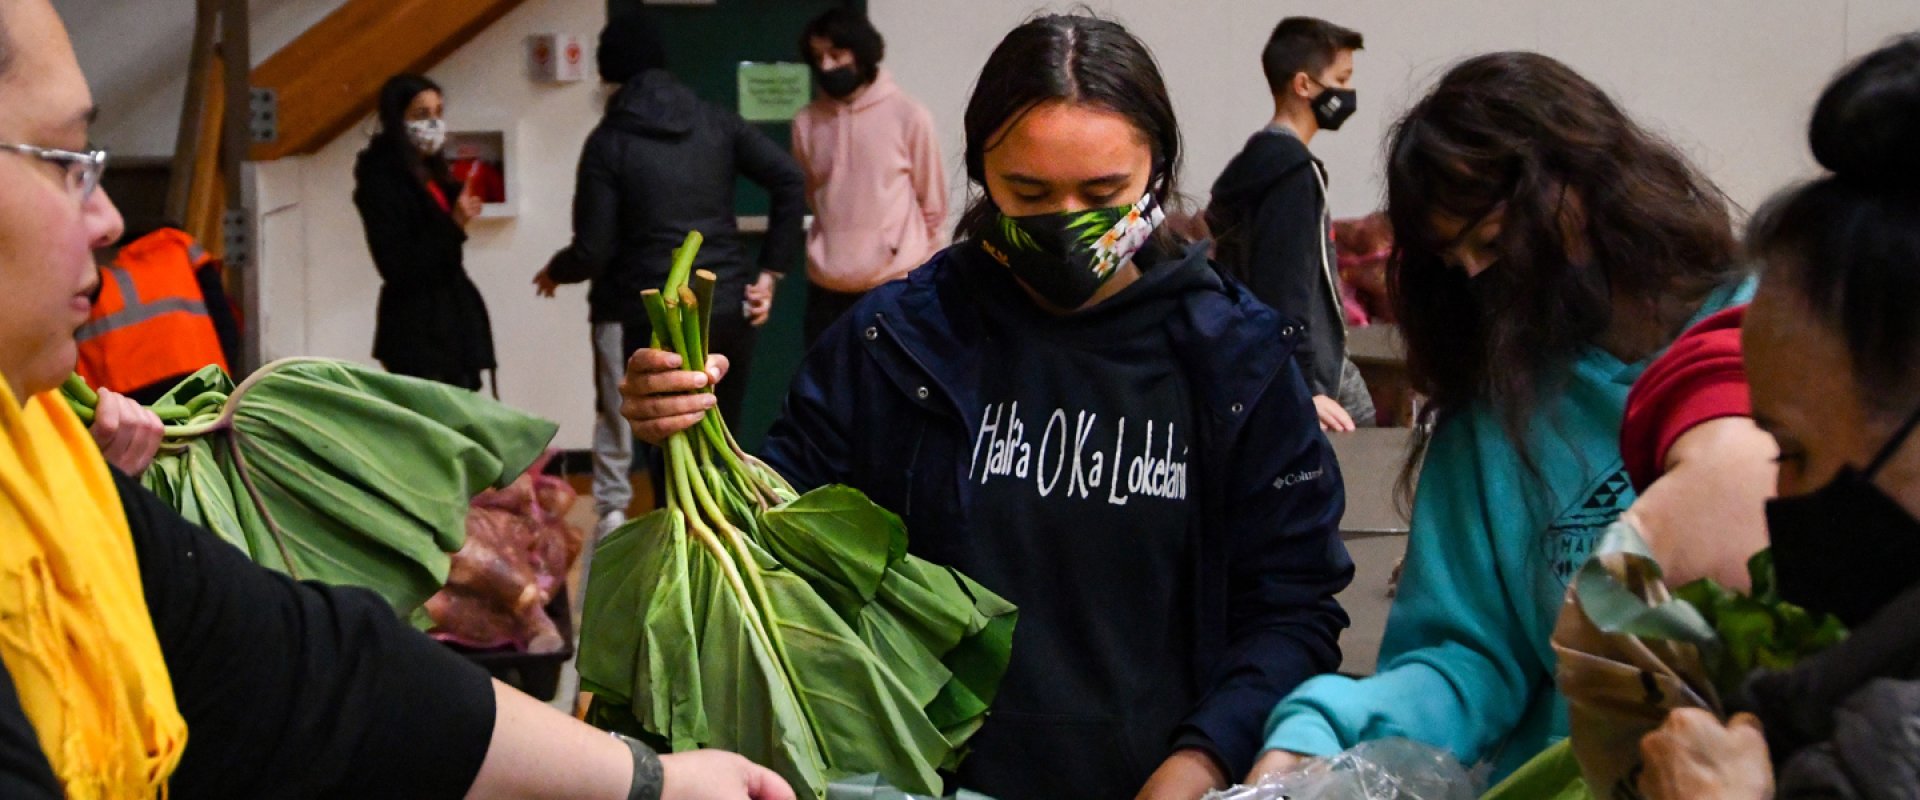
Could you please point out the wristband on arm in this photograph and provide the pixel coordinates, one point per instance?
(649, 778)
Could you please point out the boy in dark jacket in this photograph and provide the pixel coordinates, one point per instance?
(660, 164)
(1270, 211)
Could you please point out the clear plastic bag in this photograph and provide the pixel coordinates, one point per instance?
(1384, 769)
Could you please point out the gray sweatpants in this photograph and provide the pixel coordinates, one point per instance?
(612, 438)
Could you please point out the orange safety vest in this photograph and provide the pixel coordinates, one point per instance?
(151, 320)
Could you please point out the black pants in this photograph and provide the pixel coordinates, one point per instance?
(462, 379)
(824, 306)
(732, 337)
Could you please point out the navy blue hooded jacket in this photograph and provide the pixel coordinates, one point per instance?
(878, 405)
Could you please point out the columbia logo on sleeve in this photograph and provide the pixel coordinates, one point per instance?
(1293, 479)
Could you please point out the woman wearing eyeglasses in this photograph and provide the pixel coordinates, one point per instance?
(432, 322)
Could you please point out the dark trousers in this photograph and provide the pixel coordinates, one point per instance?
(824, 306)
(732, 337)
(462, 379)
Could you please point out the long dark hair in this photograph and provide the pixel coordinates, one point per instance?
(395, 95)
(1076, 58)
(1849, 243)
(1522, 134)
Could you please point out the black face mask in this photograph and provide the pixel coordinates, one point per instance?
(1333, 106)
(839, 81)
(1067, 256)
(1847, 549)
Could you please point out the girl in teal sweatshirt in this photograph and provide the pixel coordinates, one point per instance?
(1548, 249)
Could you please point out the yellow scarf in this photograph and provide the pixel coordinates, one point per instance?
(74, 629)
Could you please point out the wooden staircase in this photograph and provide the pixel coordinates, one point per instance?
(331, 76)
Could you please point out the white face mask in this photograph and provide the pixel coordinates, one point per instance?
(427, 134)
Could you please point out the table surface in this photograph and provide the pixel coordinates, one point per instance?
(1375, 534)
(1366, 600)
(1370, 460)
(1375, 344)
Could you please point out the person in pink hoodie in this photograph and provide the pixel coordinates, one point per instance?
(874, 177)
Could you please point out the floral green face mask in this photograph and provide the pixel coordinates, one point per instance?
(1067, 256)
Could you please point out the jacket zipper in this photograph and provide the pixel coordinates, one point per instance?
(1327, 269)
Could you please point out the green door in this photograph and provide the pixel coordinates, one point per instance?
(705, 45)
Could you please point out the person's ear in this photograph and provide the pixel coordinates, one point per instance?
(1302, 86)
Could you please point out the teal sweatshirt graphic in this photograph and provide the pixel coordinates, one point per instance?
(1465, 663)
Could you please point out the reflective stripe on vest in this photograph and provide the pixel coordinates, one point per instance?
(132, 310)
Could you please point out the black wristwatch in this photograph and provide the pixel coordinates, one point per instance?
(649, 778)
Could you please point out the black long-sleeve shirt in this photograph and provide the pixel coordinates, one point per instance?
(289, 689)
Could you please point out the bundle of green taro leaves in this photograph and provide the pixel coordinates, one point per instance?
(1631, 651)
(792, 629)
(335, 472)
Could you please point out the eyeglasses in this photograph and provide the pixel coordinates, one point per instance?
(82, 169)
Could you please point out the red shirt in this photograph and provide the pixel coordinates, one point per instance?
(439, 196)
(1699, 379)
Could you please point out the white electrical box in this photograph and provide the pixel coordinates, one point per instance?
(557, 57)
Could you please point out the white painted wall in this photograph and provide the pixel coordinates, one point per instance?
(317, 282)
(135, 55)
(1730, 81)
(545, 361)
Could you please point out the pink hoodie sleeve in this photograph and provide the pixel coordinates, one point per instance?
(929, 176)
(801, 122)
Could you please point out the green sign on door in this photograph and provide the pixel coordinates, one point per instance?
(773, 92)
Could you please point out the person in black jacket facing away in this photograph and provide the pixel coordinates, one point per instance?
(1270, 211)
(663, 162)
(432, 322)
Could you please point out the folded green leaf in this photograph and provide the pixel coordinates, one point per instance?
(643, 567)
(949, 638)
(335, 472)
(1552, 775)
(796, 631)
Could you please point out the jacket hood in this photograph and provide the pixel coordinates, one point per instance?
(1166, 276)
(877, 92)
(871, 95)
(1233, 344)
(1268, 157)
(653, 105)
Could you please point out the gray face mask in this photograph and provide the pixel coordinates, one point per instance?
(429, 135)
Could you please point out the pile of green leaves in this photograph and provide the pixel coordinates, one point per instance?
(792, 629)
(1757, 630)
(335, 472)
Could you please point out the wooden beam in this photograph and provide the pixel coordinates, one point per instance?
(180, 180)
(208, 197)
(330, 77)
(236, 141)
(236, 134)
